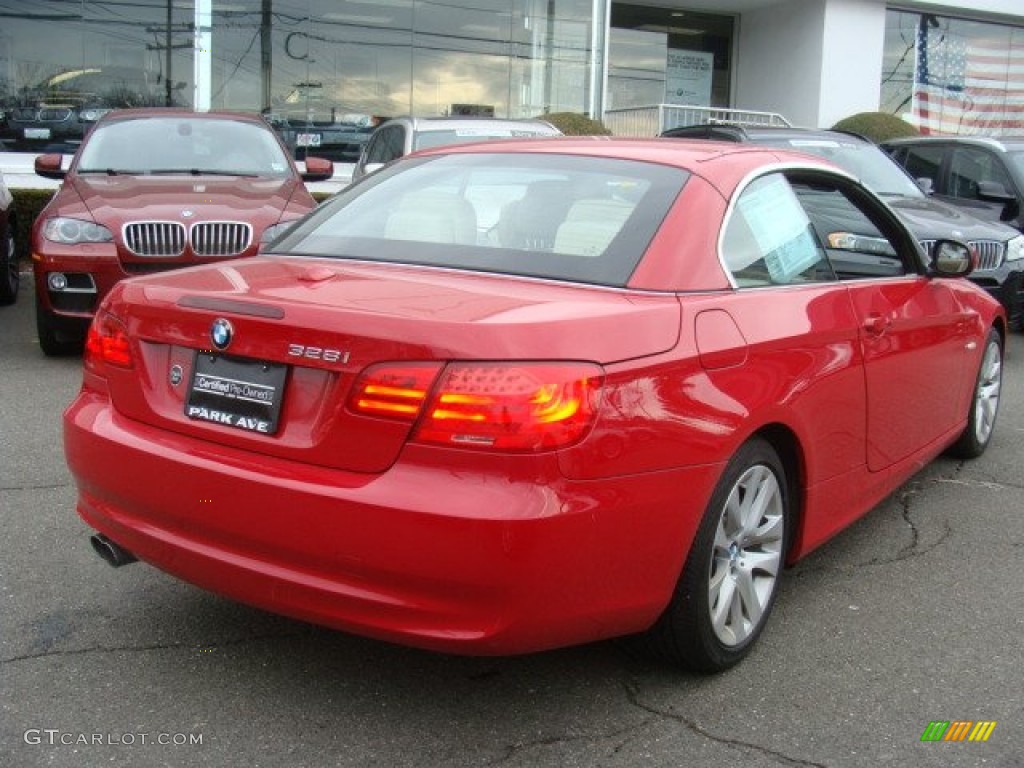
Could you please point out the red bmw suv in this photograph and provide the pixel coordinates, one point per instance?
(152, 190)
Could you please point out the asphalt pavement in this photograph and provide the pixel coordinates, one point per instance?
(914, 615)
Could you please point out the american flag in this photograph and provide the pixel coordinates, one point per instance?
(968, 86)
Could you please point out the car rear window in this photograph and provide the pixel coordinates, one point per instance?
(584, 219)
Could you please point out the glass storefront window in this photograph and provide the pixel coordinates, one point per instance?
(63, 64)
(302, 63)
(661, 55)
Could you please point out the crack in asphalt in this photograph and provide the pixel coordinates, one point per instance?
(914, 548)
(988, 485)
(45, 487)
(633, 696)
(145, 648)
(511, 750)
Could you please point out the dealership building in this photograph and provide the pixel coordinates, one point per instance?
(950, 67)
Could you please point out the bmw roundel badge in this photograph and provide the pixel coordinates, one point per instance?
(221, 333)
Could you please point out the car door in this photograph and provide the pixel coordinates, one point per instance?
(915, 335)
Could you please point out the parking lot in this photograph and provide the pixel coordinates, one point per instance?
(914, 615)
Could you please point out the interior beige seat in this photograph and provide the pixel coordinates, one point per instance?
(433, 217)
(591, 226)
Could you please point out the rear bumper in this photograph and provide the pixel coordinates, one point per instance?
(422, 555)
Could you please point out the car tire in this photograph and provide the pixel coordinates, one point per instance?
(53, 341)
(10, 275)
(727, 588)
(984, 406)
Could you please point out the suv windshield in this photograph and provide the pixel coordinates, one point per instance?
(584, 219)
(186, 145)
(435, 138)
(871, 165)
(1016, 157)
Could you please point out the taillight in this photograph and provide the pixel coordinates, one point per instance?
(393, 390)
(107, 343)
(511, 406)
(498, 406)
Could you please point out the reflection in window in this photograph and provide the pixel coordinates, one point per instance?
(317, 69)
(952, 76)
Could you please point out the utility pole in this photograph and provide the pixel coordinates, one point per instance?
(266, 63)
(168, 47)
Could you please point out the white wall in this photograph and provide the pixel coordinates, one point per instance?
(851, 65)
(778, 61)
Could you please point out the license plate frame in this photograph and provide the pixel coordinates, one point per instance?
(241, 393)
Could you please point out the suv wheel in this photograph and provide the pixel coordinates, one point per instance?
(10, 278)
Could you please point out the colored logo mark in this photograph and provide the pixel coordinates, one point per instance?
(958, 730)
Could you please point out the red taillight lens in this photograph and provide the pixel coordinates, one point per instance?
(497, 406)
(107, 343)
(393, 390)
(511, 406)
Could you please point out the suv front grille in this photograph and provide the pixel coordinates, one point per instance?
(155, 238)
(990, 252)
(41, 114)
(168, 238)
(220, 238)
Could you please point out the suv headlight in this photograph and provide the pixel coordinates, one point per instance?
(92, 114)
(74, 231)
(1015, 249)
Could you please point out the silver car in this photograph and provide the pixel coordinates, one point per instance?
(401, 135)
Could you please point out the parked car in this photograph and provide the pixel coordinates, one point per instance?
(10, 275)
(399, 136)
(660, 376)
(337, 137)
(153, 190)
(1000, 248)
(32, 127)
(986, 175)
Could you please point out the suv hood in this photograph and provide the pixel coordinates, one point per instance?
(930, 219)
(120, 198)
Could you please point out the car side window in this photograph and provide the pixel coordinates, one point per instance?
(922, 162)
(859, 240)
(970, 166)
(769, 239)
(387, 145)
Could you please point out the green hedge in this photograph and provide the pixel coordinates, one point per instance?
(876, 126)
(27, 205)
(573, 124)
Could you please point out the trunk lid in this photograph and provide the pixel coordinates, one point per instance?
(324, 322)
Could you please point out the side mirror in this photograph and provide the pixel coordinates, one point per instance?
(925, 184)
(994, 192)
(317, 169)
(952, 258)
(50, 166)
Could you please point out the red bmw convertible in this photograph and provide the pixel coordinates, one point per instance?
(497, 399)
